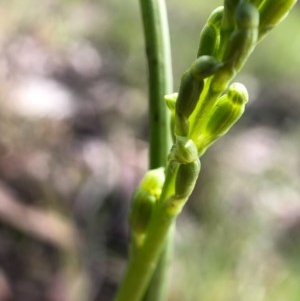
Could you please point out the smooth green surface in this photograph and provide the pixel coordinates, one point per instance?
(160, 78)
(157, 40)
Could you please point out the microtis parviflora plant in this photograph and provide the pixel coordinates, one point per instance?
(183, 125)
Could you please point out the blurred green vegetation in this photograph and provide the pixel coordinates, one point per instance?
(238, 238)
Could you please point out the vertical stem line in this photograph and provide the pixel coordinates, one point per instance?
(156, 32)
(158, 50)
(147, 270)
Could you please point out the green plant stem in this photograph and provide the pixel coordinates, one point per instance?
(158, 51)
(157, 289)
(160, 78)
(142, 266)
(147, 270)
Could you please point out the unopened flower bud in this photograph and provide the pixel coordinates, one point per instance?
(183, 151)
(170, 100)
(246, 16)
(210, 34)
(186, 178)
(188, 96)
(143, 201)
(243, 40)
(272, 13)
(204, 66)
(141, 210)
(153, 181)
(223, 116)
(228, 21)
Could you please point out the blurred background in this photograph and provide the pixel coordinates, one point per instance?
(73, 146)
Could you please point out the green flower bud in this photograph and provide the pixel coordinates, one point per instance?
(228, 21)
(215, 18)
(171, 104)
(243, 40)
(210, 34)
(143, 202)
(272, 13)
(141, 211)
(153, 181)
(223, 116)
(247, 16)
(186, 178)
(238, 94)
(189, 93)
(204, 66)
(170, 100)
(238, 47)
(191, 86)
(209, 40)
(183, 151)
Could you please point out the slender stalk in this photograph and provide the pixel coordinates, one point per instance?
(157, 289)
(142, 266)
(147, 270)
(160, 77)
(156, 32)
(144, 263)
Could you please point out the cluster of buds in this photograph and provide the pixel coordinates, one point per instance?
(207, 105)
